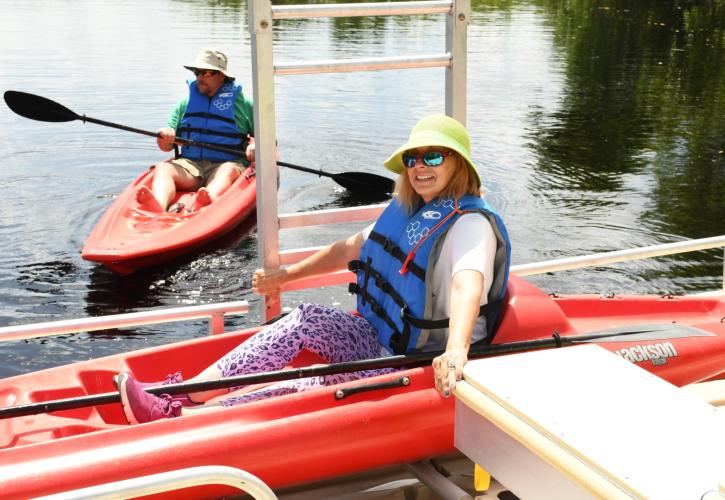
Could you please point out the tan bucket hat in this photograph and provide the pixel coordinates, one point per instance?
(210, 59)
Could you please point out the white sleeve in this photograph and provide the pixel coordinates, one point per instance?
(366, 232)
(472, 246)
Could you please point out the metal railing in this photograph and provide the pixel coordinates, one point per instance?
(261, 17)
(621, 256)
(170, 481)
(215, 313)
(369, 213)
(361, 9)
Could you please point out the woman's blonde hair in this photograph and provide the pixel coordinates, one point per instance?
(463, 181)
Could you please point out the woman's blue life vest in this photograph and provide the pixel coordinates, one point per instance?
(211, 120)
(395, 259)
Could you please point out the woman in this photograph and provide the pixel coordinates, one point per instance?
(438, 251)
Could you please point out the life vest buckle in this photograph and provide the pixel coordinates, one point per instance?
(388, 245)
(404, 313)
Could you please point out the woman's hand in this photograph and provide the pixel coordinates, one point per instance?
(465, 298)
(448, 369)
(269, 281)
(165, 139)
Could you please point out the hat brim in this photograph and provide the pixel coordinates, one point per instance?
(428, 138)
(201, 65)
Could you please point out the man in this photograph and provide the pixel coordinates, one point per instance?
(215, 112)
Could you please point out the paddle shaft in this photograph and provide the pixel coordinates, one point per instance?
(339, 178)
(307, 169)
(40, 108)
(88, 119)
(180, 140)
(410, 360)
(191, 142)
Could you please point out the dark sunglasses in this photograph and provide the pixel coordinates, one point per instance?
(429, 158)
(204, 72)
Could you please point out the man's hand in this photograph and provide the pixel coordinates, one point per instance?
(250, 149)
(165, 138)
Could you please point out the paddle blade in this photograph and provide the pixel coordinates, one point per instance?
(365, 182)
(38, 108)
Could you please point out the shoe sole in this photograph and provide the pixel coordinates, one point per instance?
(120, 380)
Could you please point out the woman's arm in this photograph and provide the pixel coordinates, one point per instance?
(329, 259)
(466, 290)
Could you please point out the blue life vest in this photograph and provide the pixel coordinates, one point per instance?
(394, 260)
(211, 120)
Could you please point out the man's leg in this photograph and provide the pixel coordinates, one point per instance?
(219, 181)
(167, 179)
(223, 177)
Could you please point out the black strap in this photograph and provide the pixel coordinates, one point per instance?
(432, 324)
(366, 267)
(202, 114)
(380, 282)
(233, 135)
(394, 250)
(396, 337)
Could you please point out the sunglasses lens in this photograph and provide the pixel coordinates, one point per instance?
(409, 160)
(433, 158)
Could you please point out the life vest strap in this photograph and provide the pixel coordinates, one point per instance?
(198, 130)
(395, 339)
(211, 116)
(380, 281)
(394, 250)
(433, 324)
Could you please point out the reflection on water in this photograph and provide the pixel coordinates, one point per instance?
(596, 125)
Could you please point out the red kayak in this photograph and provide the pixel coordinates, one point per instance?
(312, 436)
(128, 238)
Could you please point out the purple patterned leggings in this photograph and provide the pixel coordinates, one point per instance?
(335, 335)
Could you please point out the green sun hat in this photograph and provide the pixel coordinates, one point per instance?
(435, 130)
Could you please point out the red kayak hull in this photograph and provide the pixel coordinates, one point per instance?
(311, 436)
(128, 238)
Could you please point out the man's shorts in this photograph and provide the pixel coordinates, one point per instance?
(202, 169)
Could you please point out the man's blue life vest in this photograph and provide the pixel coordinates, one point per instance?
(394, 260)
(211, 120)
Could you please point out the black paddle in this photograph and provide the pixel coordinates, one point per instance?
(42, 109)
(353, 181)
(411, 360)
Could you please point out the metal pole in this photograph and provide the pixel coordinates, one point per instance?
(260, 31)
(457, 47)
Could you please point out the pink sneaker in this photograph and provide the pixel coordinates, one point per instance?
(139, 406)
(173, 378)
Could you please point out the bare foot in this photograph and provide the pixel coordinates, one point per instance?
(147, 200)
(203, 198)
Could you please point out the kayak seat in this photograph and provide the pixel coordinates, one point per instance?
(529, 313)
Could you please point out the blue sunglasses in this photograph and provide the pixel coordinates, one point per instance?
(429, 158)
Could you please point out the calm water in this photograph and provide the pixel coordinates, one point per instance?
(597, 125)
